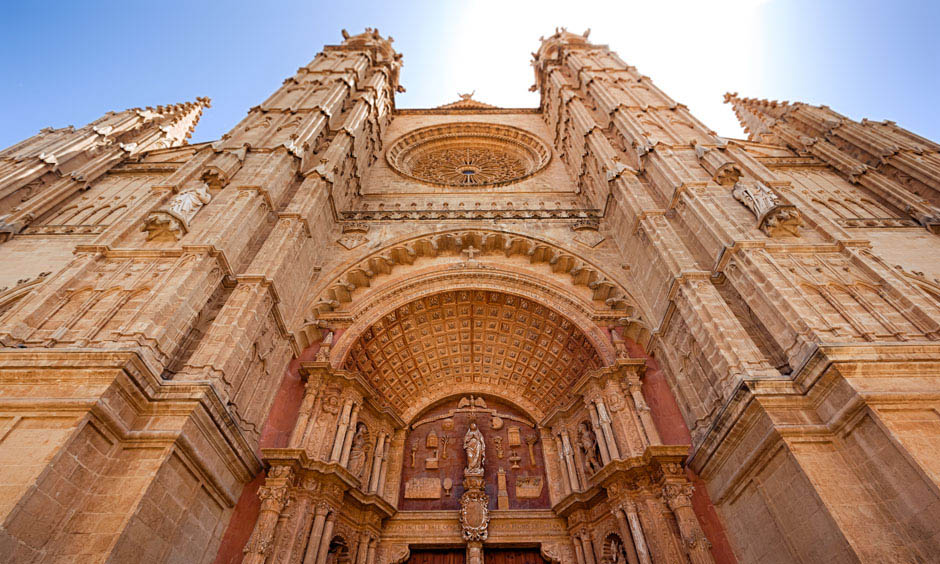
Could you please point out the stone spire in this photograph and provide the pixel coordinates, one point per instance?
(894, 163)
(755, 115)
(41, 171)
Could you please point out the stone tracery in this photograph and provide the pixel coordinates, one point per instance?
(468, 154)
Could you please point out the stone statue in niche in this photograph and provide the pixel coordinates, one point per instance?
(414, 451)
(357, 453)
(588, 443)
(474, 445)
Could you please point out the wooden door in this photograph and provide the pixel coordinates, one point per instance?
(435, 556)
(512, 556)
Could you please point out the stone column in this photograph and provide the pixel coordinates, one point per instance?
(340, 438)
(316, 532)
(569, 459)
(578, 551)
(377, 458)
(679, 498)
(383, 470)
(565, 477)
(601, 436)
(475, 552)
(607, 429)
(327, 537)
(585, 537)
(370, 557)
(626, 535)
(643, 412)
(272, 502)
(363, 550)
(639, 541)
(303, 419)
(350, 433)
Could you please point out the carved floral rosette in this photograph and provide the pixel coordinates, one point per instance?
(474, 515)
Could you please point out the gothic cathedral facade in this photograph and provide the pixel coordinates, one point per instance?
(591, 332)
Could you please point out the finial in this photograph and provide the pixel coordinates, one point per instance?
(345, 34)
(586, 33)
(467, 96)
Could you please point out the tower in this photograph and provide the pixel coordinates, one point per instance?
(589, 332)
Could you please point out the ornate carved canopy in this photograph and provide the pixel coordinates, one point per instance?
(468, 154)
(499, 342)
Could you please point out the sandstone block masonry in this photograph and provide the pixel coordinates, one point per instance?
(677, 347)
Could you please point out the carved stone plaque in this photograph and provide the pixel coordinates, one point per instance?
(528, 486)
(423, 488)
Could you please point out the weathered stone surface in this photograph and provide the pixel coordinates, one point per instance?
(677, 347)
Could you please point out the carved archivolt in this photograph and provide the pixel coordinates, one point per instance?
(582, 273)
(468, 154)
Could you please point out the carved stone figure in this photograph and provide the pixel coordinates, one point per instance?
(171, 221)
(588, 443)
(357, 453)
(475, 446)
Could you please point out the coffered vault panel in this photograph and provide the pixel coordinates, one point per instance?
(489, 338)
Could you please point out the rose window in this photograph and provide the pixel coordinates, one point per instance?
(468, 154)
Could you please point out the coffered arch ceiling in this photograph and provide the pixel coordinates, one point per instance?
(487, 341)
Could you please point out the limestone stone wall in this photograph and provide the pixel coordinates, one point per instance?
(760, 320)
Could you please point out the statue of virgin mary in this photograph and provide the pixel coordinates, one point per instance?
(475, 447)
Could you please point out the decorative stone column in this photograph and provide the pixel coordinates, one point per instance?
(599, 433)
(377, 459)
(316, 532)
(307, 408)
(639, 541)
(363, 552)
(273, 496)
(607, 429)
(350, 433)
(578, 550)
(563, 466)
(585, 537)
(340, 438)
(373, 544)
(628, 544)
(643, 412)
(679, 499)
(569, 458)
(327, 537)
(383, 469)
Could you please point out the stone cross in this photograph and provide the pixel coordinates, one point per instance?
(470, 251)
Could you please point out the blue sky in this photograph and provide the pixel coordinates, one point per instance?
(69, 62)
